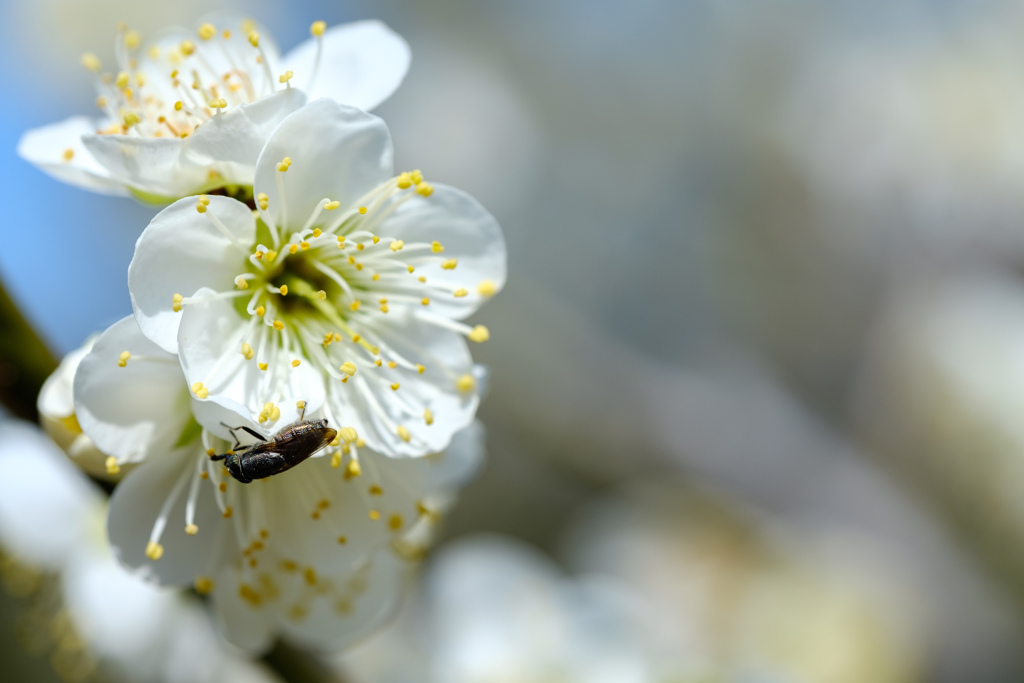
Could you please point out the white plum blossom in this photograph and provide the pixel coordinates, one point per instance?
(345, 288)
(318, 553)
(51, 519)
(189, 112)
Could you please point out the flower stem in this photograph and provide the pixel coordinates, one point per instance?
(25, 361)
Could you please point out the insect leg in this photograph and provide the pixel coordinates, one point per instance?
(218, 457)
(238, 443)
(303, 416)
(253, 432)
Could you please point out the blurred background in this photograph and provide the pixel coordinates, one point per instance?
(758, 374)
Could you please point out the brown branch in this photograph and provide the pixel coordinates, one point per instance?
(25, 361)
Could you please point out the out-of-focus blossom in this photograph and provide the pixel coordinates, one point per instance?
(190, 111)
(51, 517)
(345, 290)
(494, 610)
(941, 399)
(745, 600)
(57, 415)
(318, 553)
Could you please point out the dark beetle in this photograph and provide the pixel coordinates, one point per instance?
(290, 447)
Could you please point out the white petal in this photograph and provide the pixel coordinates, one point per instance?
(210, 340)
(135, 507)
(46, 505)
(153, 166)
(362, 64)
(337, 152)
(45, 148)
(180, 252)
(445, 356)
(230, 143)
(327, 628)
(248, 627)
(55, 398)
(467, 232)
(130, 412)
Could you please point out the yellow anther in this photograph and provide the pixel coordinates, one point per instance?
(228, 511)
(465, 383)
(436, 247)
(223, 486)
(403, 433)
(140, 79)
(317, 232)
(241, 282)
(337, 337)
(122, 80)
(341, 241)
(260, 310)
(284, 290)
(211, 452)
(374, 515)
(247, 351)
(397, 245)
(375, 239)
(259, 255)
(321, 295)
(219, 103)
(111, 465)
(356, 303)
(425, 189)
(417, 176)
(460, 292)
(254, 39)
(342, 540)
(394, 387)
(428, 417)
(278, 325)
(376, 490)
(131, 119)
(479, 334)
(207, 31)
(310, 576)
(404, 181)
(187, 47)
(68, 154)
(282, 167)
(353, 469)
(410, 269)
(125, 355)
(271, 255)
(303, 245)
(296, 363)
(191, 529)
(420, 368)
(362, 209)
(392, 364)
(262, 366)
(275, 414)
(421, 278)
(359, 247)
(285, 77)
(154, 550)
(383, 308)
(226, 33)
(203, 585)
(487, 288)
(178, 105)
(176, 302)
(262, 199)
(91, 62)
(348, 367)
(132, 39)
(360, 443)
(199, 390)
(336, 457)
(378, 362)
(331, 206)
(425, 300)
(395, 522)
(200, 207)
(101, 102)
(317, 28)
(450, 264)
(300, 405)
(348, 434)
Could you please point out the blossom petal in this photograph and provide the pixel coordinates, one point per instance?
(181, 251)
(468, 234)
(149, 165)
(243, 624)
(135, 506)
(338, 152)
(132, 411)
(362, 64)
(445, 357)
(210, 340)
(335, 624)
(46, 505)
(46, 147)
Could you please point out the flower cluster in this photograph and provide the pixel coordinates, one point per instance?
(291, 405)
